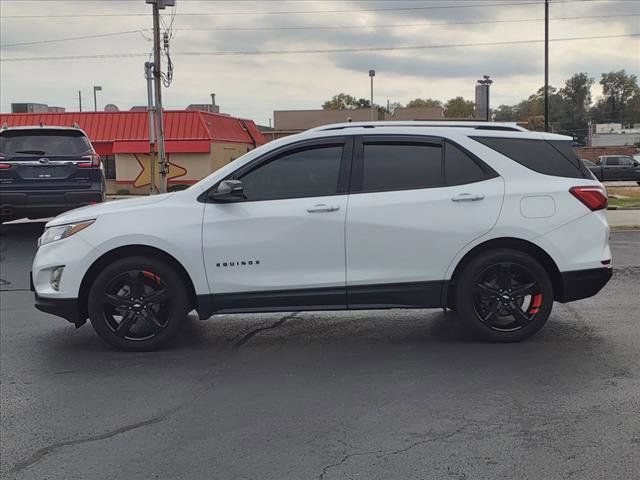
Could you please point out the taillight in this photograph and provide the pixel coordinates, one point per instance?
(4, 165)
(594, 197)
(93, 161)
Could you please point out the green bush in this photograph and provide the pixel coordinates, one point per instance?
(177, 188)
(122, 191)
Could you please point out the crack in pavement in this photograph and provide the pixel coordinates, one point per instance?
(44, 451)
(384, 453)
(248, 336)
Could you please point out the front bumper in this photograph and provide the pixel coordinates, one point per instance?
(580, 284)
(66, 308)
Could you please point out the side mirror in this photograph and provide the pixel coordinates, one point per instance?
(228, 191)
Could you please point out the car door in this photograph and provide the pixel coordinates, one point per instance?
(611, 168)
(409, 213)
(282, 247)
(627, 168)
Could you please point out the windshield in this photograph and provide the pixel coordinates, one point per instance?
(26, 143)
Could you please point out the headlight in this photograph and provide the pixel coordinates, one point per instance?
(52, 234)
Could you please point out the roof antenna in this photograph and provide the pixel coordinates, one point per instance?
(5, 125)
(41, 124)
(75, 125)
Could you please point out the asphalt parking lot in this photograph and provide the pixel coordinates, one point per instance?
(364, 395)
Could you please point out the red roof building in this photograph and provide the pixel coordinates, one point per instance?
(196, 142)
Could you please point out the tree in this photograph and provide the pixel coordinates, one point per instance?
(342, 101)
(505, 113)
(619, 91)
(577, 96)
(458, 107)
(424, 102)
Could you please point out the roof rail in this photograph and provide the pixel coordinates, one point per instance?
(504, 126)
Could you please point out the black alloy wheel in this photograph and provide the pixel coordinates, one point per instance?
(138, 303)
(504, 295)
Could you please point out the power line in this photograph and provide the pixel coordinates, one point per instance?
(315, 27)
(336, 27)
(286, 12)
(321, 50)
(82, 37)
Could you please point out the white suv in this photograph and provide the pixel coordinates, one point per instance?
(490, 220)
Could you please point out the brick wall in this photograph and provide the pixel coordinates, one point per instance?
(592, 153)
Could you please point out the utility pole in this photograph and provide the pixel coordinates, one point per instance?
(153, 158)
(546, 65)
(80, 100)
(157, 83)
(372, 73)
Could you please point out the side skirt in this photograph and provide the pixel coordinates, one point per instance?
(358, 297)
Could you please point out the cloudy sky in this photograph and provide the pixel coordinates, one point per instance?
(210, 36)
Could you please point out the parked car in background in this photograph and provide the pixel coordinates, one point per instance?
(484, 219)
(615, 168)
(45, 171)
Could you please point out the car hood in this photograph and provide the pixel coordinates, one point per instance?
(113, 206)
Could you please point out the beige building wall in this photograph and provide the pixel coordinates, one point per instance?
(418, 113)
(304, 119)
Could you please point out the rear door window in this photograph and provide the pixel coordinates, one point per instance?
(400, 165)
(555, 158)
(16, 144)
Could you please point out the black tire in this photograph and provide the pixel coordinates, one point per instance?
(147, 321)
(504, 296)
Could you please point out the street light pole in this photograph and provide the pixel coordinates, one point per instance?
(96, 88)
(372, 73)
(546, 65)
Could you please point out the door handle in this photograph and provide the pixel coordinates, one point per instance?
(467, 197)
(321, 207)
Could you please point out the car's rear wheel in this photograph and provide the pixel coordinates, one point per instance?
(504, 295)
(137, 303)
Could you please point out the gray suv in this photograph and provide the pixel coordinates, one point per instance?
(47, 170)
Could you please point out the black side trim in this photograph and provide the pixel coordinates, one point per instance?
(580, 284)
(280, 300)
(66, 308)
(396, 295)
(399, 295)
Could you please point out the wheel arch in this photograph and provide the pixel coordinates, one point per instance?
(512, 243)
(124, 252)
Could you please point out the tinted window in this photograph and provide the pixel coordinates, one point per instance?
(401, 166)
(460, 168)
(305, 173)
(626, 161)
(612, 161)
(21, 143)
(538, 155)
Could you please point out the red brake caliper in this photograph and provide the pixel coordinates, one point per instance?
(535, 304)
(151, 276)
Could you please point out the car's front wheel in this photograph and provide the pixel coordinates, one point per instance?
(504, 295)
(137, 303)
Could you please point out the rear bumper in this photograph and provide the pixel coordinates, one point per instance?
(46, 203)
(580, 284)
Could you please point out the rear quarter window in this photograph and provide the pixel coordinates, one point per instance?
(555, 158)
